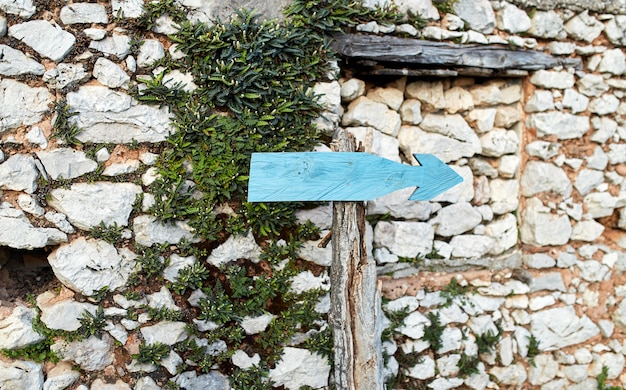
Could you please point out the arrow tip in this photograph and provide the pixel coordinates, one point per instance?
(438, 177)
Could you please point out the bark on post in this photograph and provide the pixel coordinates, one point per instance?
(355, 314)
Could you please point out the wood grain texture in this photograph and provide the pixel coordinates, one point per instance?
(389, 52)
(344, 176)
(355, 311)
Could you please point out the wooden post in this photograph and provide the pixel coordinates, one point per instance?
(355, 314)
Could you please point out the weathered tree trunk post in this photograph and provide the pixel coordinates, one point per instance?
(355, 314)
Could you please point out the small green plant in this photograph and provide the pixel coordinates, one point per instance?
(433, 333)
(164, 314)
(63, 128)
(155, 9)
(151, 261)
(92, 324)
(152, 353)
(453, 290)
(322, 343)
(38, 352)
(254, 378)
(601, 379)
(468, 365)
(216, 306)
(190, 277)
(396, 319)
(109, 233)
(533, 349)
(444, 6)
(487, 341)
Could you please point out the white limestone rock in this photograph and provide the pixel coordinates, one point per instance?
(471, 246)
(66, 163)
(575, 101)
(458, 100)
(213, 380)
(234, 248)
(16, 330)
(23, 8)
(430, 94)
(162, 299)
(86, 205)
(19, 173)
(60, 221)
(482, 119)
(509, 166)
(47, 39)
(425, 369)
(615, 30)
(116, 44)
(310, 251)
(587, 180)
(242, 360)
(598, 160)
(14, 63)
(513, 375)
(36, 136)
(166, 332)
(592, 85)
(150, 51)
(584, 27)
(255, 325)
(352, 89)
(423, 8)
(305, 281)
(549, 79)
(61, 312)
(406, 239)
(414, 140)
(107, 116)
(110, 74)
(398, 206)
(84, 13)
(455, 219)
(540, 227)
(65, 74)
(613, 62)
(478, 15)
(366, 112)
(512, 19)
(390, 96)
(376, 142)
(544, 370)
(563, 125)
(604, 105)
(130, 9)
(504, 196)
(543, 149)
(16, 231)
(560, 327)
(148, 231)
(92, 354)
(19, 374)
(300, 367)
(541, 100)
(547, 24)
(488, 94)
(604, 128)
(411, 111)
(593, 271)
(29, 205)
(499, 142)
(21, 105)
(61, 376)
(540, 177)
(601, 204)
(89, 265)
(504, 232)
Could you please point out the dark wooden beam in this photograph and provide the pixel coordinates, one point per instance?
(408, 56)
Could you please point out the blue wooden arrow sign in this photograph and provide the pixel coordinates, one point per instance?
(343, 176)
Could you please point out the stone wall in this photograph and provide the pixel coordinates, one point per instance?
(513, 279)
